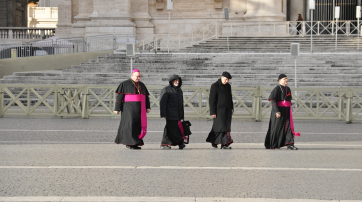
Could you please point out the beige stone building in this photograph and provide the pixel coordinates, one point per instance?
(147, 17)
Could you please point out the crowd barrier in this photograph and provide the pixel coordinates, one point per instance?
(249, 102)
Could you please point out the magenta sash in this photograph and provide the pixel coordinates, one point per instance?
(182, 129)
(139, 98)
(289, 104)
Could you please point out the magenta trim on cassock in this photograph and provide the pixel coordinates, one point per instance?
(289, 104)
(182, 129)
(139, 98)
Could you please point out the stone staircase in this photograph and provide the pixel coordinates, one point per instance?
(277, 44)
(317, 70)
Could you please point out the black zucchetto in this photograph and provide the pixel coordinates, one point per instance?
(226, 74)
(281, 76)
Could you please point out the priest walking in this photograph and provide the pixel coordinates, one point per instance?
(134, 103)
(221, 109)
(281, 127)
(172, 109)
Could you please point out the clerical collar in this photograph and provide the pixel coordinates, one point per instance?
(282, 85)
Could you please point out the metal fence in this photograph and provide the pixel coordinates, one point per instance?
(249, 103)
(66, 45)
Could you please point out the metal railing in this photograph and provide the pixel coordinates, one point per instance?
(66, 45)
(249, 103)
(319, 28)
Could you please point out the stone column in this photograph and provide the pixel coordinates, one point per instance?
(64, 19)
(296, 7)
(264, 10)
(139, 10)
(110, 17)
(85, 10)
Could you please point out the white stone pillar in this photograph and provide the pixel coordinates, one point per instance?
(264, 10)
(64, 19)
(139, 10)
(110, 17)
(85, 10)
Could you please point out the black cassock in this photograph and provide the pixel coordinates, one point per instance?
(221, 104)
(172, 107)
(130, 126)
(279, 133)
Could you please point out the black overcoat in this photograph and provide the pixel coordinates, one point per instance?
(171, 101)
(221, 104)
(279, 132)
(130, 125)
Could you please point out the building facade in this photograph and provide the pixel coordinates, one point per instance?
(13, 13)
(147, 17)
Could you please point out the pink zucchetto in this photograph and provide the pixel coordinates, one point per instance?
(135, 70)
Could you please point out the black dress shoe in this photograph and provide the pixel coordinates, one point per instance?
(136, 147)
(165, 147)
(214, 145)
(181, 146)
(225, 147)
(292, 147)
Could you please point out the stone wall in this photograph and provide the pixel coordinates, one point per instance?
(13, 13)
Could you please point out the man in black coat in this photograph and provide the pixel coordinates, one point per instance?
(172, 109)
(221, 109)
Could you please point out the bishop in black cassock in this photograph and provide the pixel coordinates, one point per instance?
(281, 127)
(131, 128)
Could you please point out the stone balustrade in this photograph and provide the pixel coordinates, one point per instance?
(25, 33)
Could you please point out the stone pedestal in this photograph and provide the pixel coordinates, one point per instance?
(85, 10)
(142, 18)
(264, 10)
(64, 25)
(106, 19)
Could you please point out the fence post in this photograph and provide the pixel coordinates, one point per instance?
(258, 104)
(303, 29)
(1, 102)
(217, 30)
(203, 33)
(348, 28)
(340, 103)
(85, 114)
(56, 99)
(349, 106)
(318, 28)
(253, 105)
(179, 41)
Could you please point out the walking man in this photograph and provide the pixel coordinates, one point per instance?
(134, 103)
(281, 128)
(221, 109)
(172, 109)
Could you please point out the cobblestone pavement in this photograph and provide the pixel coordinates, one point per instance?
(52, 159)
